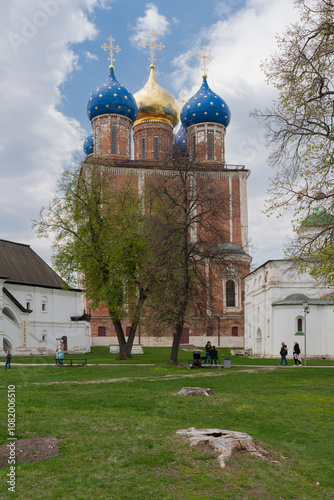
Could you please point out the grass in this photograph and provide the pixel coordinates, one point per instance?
(118, 437)
(157, 355)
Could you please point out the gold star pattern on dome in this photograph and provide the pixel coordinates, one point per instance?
(205, 57)
(153, 46)
(111, 48)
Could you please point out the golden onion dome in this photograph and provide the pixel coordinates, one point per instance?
(156, 103)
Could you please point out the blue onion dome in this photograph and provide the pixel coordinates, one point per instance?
(156, 103)
(111, 98)
(180, 139)
(205, 106)
(89, 145)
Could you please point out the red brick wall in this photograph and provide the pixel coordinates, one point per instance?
(148, 129)
(102, 136)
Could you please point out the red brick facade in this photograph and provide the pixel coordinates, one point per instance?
(223, 320)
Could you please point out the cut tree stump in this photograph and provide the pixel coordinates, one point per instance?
(225, 442)
(190, 391)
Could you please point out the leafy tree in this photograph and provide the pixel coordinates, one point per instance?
(300, 131)
(187, 207)
(98, 227)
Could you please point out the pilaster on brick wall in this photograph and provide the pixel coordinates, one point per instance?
(152, 139)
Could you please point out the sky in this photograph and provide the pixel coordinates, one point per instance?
(51, 59)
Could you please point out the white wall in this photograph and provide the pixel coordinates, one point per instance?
(53, 322)
(271, 283)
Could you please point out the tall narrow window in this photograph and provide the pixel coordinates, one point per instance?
(300, 325)
(234, 331)
(142, 150)
(193, 146)
(156, 147)
(113, 139)
(210, 145)
(230, 293)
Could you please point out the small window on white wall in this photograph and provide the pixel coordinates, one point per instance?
(28, 301)
(44, 336)
(299, 324)
(44, 306)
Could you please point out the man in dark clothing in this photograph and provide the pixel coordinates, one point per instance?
(214, 354)
(283, 353)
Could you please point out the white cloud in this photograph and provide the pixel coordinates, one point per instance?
(151, 21)
(90, 57)
(36, 140)
(238, 44)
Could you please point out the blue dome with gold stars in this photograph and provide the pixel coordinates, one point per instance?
(205, 106)
(180, 139)
(89, 145)
(111, 98)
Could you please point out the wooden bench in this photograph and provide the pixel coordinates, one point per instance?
(71, 361)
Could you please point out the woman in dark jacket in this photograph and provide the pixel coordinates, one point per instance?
(208, 349)
(296, 353)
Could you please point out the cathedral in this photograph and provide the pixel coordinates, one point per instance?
(152, 123)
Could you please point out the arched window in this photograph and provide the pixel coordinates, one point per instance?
(230, 293)
(44, 303)
(300, 325)
(29, 299)
(142, 148)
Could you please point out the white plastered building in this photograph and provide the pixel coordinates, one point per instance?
(274, 311)
(36, 310)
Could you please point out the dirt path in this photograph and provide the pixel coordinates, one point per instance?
(155, 379)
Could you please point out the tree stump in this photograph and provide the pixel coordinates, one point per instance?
(225, 442)
(197, 391)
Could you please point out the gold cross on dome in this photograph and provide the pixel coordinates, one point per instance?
(204, 56)
(111, 48)
(153, 46)
(182, 98)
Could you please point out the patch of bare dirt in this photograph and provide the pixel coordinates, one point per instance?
(29, 450)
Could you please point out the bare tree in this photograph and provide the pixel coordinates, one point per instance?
(188, 212)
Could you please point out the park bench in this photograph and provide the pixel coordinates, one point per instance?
(73, 361)
(204, 363)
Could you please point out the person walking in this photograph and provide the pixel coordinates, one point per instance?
(60, 357)
(208, 349)
(8, 360)
(283, 353)
(296, 354)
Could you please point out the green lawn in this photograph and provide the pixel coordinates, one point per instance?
(117, 430)
(158, 355)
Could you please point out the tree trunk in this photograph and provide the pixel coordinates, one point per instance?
(176, 341)
(121, 340)
(133, 329)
